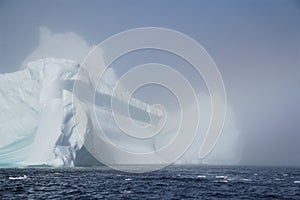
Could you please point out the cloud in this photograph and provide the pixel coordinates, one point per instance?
(59, 45)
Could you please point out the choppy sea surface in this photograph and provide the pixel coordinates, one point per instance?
(175, 182)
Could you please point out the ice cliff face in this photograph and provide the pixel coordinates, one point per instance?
(37, 115)
(33, 107)
(20, 111)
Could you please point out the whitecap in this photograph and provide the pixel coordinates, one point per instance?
(201, 176)
(223, 177)
(126, 192)
(297, 182)
(246, 179)
(221, 181)
(127, 179)
(18, 178)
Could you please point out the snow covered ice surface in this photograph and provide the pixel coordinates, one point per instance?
(37, 115)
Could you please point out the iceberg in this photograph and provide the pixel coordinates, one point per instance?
(38, 126)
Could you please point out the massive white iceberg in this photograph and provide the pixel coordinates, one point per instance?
(37, 115)
(39, 127)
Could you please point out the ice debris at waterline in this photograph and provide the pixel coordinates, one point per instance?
(37, 116)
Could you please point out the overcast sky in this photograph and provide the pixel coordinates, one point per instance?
(255, 44)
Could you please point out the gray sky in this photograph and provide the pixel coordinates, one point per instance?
(256, 45)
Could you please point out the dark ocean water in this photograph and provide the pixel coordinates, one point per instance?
(182, 182)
